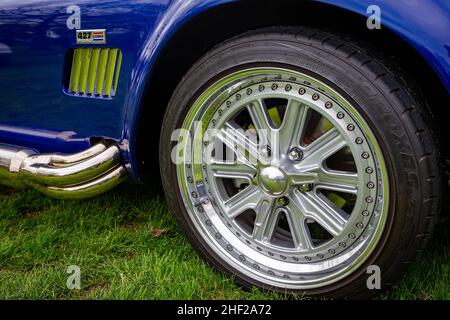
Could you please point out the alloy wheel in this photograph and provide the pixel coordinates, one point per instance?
(282, 177)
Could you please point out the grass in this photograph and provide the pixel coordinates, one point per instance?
(128, 247)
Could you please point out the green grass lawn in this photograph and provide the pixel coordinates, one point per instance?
(128, 247)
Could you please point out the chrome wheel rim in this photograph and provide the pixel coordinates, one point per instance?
(269, 195)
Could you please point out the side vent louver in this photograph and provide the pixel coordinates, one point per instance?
(95, 72)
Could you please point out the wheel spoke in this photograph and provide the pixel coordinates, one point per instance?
(299, 231)
(322, 148)
(265, 221)
(293, 125)
(233, 170)
(243, 200)
(332, 219)
(235, 139)
(341, 181)
(297, 178)
(261, 120)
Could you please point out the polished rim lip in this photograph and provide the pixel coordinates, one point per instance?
(207, 236)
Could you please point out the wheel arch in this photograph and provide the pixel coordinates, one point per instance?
(175, 45)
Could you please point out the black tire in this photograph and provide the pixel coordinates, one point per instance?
(386, 100)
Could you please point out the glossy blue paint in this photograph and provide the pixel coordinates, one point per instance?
(43, 140)
(35, 32)
(34, 39)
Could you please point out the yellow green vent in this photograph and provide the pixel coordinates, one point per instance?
(95, 72)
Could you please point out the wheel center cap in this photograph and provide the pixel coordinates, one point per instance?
(273, 181)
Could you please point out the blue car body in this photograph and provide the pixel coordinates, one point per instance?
(36, 110)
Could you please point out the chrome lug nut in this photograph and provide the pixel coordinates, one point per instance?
(305, 187)
(295, 154)
(282, 201)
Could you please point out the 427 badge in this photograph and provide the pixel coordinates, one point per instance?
(95, 36)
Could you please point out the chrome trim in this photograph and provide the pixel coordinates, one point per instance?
(73, 176)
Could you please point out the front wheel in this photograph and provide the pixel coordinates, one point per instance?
(295, 165)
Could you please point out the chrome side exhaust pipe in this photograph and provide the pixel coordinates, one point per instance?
(75, 176)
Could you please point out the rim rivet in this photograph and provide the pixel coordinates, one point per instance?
(238, 97)
(365, 213)
(315, 97)
(369, 170)
(365, 155)
(328, 104)
(261, 88)
(274, 86)
(359, 225)
(370, 185)
(302, 90)
(369, 199)
(305, 187)
(288, 87)
(249, 91)
(340, 115)
(351, 127)
(351, 236)
(359, 140)
(295, 154)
